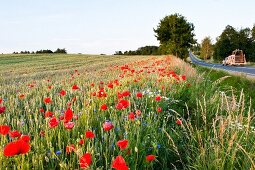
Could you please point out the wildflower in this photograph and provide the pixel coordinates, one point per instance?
(150, 157)
(107, 125)
(119, 163)
(14, 134)
(2, 109)
(62, 92)
(21, 96)
(104, 107)
(178, 121)
(75, 87)
(68, 115)
(131, 116)
(110, 85)
(1, 100)
(157, 98)
(41, 110)
(122, 104)
(122, 144)
(85, 161)
(58, 152)
(70, 148)
(81, 141)
(48, 114)
(16, 148)
(4, 129)
(25, 138)
(159, 109)
(139, 95)
(69, 125)
(125, 93)
(138, 112)
(47, 100)
(53, 122)
(89, 134)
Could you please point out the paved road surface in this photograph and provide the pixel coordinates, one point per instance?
(247, 70)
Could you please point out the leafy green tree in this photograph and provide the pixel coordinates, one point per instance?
(232, 39)
(253, 32)
(206, 48)
(61, 51)
(226, 43)
(175, 35)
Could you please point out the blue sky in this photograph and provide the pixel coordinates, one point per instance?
(105, 26)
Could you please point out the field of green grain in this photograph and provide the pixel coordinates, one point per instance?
(121, 112)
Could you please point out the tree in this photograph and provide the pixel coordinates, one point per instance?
(253, 32)
(175, 35)
(206, 48)
(226, 43)
(60, 51)
(232, 39)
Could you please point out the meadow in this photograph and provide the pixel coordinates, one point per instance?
(121, 112)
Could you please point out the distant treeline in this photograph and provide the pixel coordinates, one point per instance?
(147, 50)
(58, 51)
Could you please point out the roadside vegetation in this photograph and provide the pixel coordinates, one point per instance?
(103, 112)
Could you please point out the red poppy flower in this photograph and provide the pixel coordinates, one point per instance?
(89, 134)
(178, 121)
(70, 148)
(110, 85)
(139, 95)
(14, 134)
(69, 125)
(101, 93)
(103, 107)
(16, 148)
(183, 77)
(85, 161)
(92, 84)
(47, 100)
(122, 104)
(2, 109)
(126, 93)
(75, 87)
(119, 163)
(48, 114)
(81, 141)
(41, 110)
(1, 100)
(138, 112)
(62, 92)
(25, 138)
(49, 87)
(68, 115)
(21, 96)
(53, 122)
(107, 125)
(4, 129)
(131, 116)
(42, 133)
(157, 98)
(122, 144)
(150, 157)
(159, 109)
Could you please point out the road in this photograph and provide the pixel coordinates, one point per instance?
(246, 70)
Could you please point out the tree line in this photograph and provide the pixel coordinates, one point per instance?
(47, 51)
(229, 40)
(175, 35)
(146, 50)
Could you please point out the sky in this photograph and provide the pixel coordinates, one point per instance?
(106, 26)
